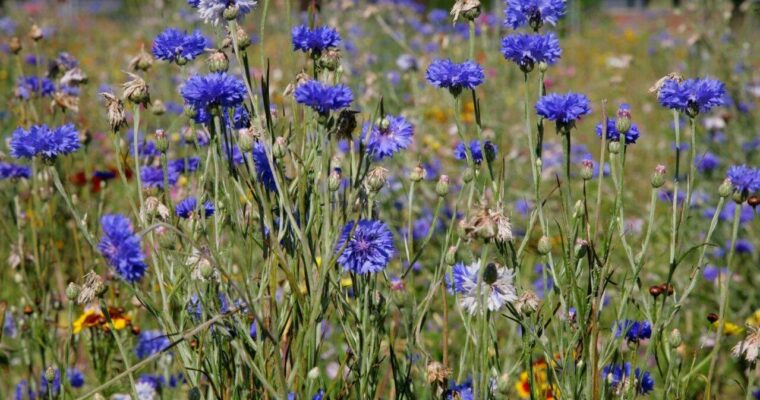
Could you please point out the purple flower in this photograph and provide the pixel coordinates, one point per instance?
(13, 171)
(617, 375)
(121, 248)
(55, 385)
(707, 162)
(444, 73)
(75, 377)
(462, 391)
(153, 177)
(151, 342)
(476, 150)
(613, 135)
(316, 40)
(388, 137)
(634, 330)
(323, 98)
(369, 249)
(564, 109)
(33, 86)
(187, 208)
(527, 50)
(263, 170)
(744, 178)
(533, 12)
(42, 141)
(217, 89)
(176, 46)
(692, 96)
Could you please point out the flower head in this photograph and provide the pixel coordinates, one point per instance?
(619, 378)
(188, 207)
(533, 12)
(460, 152)
(33, 86)
(495, 283)
(462, 391)
(692, 96)
(42, 141)
(217, 89)
(323, 98)
(13, 171)
(121, 247)
(744, 179)
(315, 40)
(527, 50)
(176, 46)
(213, 11)
(614, 135)
(444, 73)
(749, 347)
(151, 342)
(368, 249)
(263, 170)
(634, 330)
(388, 137)
(564, 109)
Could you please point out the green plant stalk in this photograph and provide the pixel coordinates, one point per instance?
(120, 346)
(136, 155)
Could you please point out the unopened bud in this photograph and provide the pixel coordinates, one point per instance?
(158, 107)
(35, 33)
(544, 246)
(280, 147)
(658, 177)
(313, 373)
(543, 66)
(712, 317)
(753, 200)
(245, 140)
(207, 271)
(333, 183)
(726, 188)
(418, 173)
(442, 187)
(162, 142)
(190, 112)
(613, 147)
(451, 256)
(623, 121)
(330, 59)
(231, 12)
(218, 62)
(655, 291)
(581, 247)
(579, 210)
(50, 374)
(243, 40)
(72, 291)
(587, 169)
(376, 179)
(14, 45)
(675, 339)
(469, 175)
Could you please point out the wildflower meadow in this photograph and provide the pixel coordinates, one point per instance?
(379, 199)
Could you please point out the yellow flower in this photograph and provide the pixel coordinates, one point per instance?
(93, 318)
(729, 328)
(754, 319)
(345, 282)
(182, 181)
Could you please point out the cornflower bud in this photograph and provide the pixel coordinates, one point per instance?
(658, 178)
(243, 40)
(231, 12)
(726, 188)
(613, 147)
(218, 62)
(376, 179)
(753, 201)
(49, 372)
(579, 210)
(655, 291)
(246, 137)
(280, 147)
(587, 169)
(333, 182)
(544, 246)
(623, 121)
(162, 142)
(330, 59)
(158, 107)
(451, 256)
(581, 246)
(72, 291)
(674, 339)
(442, 187)
(469, 175)
(417, 174)
(712, 317)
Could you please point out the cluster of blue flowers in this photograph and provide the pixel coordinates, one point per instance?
(477, 151)
(564, 109)
(368, 247)
(445, 74)
(151, 342)
(217, 89)
(40, 140)
(322, 97)
(634, 331)
(153, 177)
(121, 248)
(179, 47)
(13, 171)
(33, 86)
(618, 375)
(528, 50)
(533, 13)
(314, 41)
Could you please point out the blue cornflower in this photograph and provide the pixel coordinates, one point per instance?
(527, 50)
(368, 250)
(40, 140)
(75, 377)
(240, 118)
(320, 395)
(496, 282)
(390, 136)
(444, 73)
(212, 11)
(462, 391)
(617, 376)
(33, 86)
(13, 171)
(153, 177)
(55, 385)
(253, 330)
(217, 89)
(476, 150)
(745, 179)
(743, 246)
(9, 325)
(707, 162)
(692, 96)
(121, 247)
(613, 135)
(263, 170)
(634, 330)
(187, 207)
(151, 342)
(564, 109)
(533, 12)
(184, 165)
(179, 47)
(23, 391)
(314, 41)
(323, 98)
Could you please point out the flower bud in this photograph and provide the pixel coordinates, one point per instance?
(451, 256)
(330, 59)
(544, 246)
(623, 121)
(243, 40)
(35, 33)
(280, 147)
(658, 177)
(246, 139)
(740, 196)
(442, 187)
(726, 188)
(231, 12)
(655, 291)
(136, 90)
(142, 61)
(218, 62)
(587, 169)
(190, 112)
(333, 182)
(72, 291)
(376, 179)
(581, 247)
(207, 271)
(712, 317)
(753, 200)
(162, 142)
(158, 107)
(674, 339)
(469, 174)
(50, 372)
(14, 45)
(417, 174)
(489, 150)
(543, 67)
(613, 147)
(579, 210)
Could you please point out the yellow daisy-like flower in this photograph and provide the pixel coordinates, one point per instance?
(754, 319)
(729, 328)
(94, 318)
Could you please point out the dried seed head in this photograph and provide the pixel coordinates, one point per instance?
(142, 61)
(658, 85)
(35, 33)
(418, 173)
(376, 179)
(301, 78)
(92, 287)
(74, 77)
(117, 117)
(136, 90)
(64, 102)
(158, 107)
(14, 45)
(330, 59)
(750, 346)
(437, 372)
(527, 303)
(468, 9)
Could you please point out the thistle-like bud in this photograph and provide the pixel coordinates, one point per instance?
(658, 177)
(544, 246)
(527, 303)
(218, 62)
(49, 372)
(503, 385)
(675, 339)
(242, 38)
(72, 291)
(623, 121)
(207, 271)
(579, 210)
(376, 179)
(142, 61)
(162, 142)
(587, 169)
(333, 182)
(543, 66)
(613, 147)
(442, 187)
(740, 196)
(246, 137)
(158, 107)
(231, 12)
(581, 247)
(35, 33)
(14, 45)
(451, 256)
(753, 200)
(190, 112)
(136, 90)
(280, 147)
(437, 372)
(313, 373)
(116, 115)
(330, 59)
(418, 173)
(726, 188)
(467, 9)
(489, 150)
(469, 175)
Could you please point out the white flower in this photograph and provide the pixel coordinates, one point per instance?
(145, 391)
(495, 283)
(212, 11)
